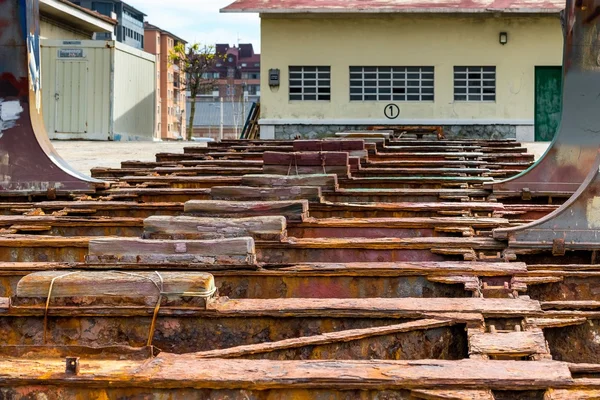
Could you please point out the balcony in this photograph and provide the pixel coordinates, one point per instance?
(132, 21)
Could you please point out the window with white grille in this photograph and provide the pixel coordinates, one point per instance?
(310, 83)
(391, 83)
(475, 83)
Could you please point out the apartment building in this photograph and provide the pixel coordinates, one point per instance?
(237, 71)
(130, 27)
(170, 92)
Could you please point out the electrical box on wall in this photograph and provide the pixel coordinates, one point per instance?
(274, 77)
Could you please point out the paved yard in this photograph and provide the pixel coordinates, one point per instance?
(84, 155)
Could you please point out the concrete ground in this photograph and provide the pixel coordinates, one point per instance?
(536, 148)
(84, 155)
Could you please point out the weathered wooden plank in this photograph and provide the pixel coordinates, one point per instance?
(315, 269)
(544, 323)
(452, 394)
(514, 344)
(413, 222)
(133, 250)
(410, 268)
(113, 284)
(326, 338)
(572, 394)
(294, 210)
(398, 171)
(442, 206)
(264, 228)
(205, 170)
(39, 241)
(481, 243)
(189, 163)
(183, 181)
(310, 193)
(325, 182)
(571, 305)
(51, 220)
(385, 307)
(169, 371)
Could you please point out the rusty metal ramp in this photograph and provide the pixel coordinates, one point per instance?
(28, 162)
(566, 163)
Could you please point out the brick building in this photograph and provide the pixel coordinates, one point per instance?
(170, 91)
(237, 71)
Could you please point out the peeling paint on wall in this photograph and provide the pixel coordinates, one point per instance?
(9, 113)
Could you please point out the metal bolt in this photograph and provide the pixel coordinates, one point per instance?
(72, 366)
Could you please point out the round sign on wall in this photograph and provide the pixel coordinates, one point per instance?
(392, 111)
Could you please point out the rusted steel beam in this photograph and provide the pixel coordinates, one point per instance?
(28, 162)
(567, 162)
(29, 248)
(367, 195)
(114, 173)
(350, 280)
(414, 182)
(356, 280)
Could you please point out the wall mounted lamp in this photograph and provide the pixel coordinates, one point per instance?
(503, 38)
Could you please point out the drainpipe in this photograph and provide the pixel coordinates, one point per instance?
(221, 125)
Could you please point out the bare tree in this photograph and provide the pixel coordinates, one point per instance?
(196, 62)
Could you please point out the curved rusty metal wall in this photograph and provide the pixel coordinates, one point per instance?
(569, 159)
(576, 152)
(573, 226)
(28, 162)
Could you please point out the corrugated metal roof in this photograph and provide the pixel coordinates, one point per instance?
(395, 6)
(209, 113)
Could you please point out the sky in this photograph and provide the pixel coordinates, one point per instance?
(200, 21)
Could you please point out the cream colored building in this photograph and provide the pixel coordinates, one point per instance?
(478, 70)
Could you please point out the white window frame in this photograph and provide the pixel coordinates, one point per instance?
(475, 83)
(373, 83)
(309, 83)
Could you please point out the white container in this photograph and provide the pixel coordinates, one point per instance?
(97, 90)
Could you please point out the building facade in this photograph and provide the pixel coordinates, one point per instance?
(237, 72)
(61, 19)
(170, 94)
(130, 27)
(475, 68)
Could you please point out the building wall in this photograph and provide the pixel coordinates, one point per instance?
(152, 46)
(172, 97)
(134, 94)
(52, 29)
(442, 41)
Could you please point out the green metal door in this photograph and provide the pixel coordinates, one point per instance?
(548, 102)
